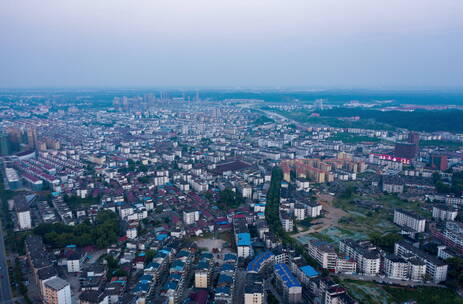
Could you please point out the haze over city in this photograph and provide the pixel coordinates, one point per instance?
(231, 152)
(297, 43)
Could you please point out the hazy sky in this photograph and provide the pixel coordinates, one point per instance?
(217, 43)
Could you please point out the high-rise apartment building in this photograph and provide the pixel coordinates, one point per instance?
(57, 291)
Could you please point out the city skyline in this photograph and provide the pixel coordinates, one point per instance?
(231, 152)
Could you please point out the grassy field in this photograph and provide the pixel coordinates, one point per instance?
(441, 143)
(304, 116)
(391, 202)
(365, 220)
(373, 293)
(429, 121)
(367, 292)
(353, 139)
(364, 223)
(388, 201)
(322, 237)
(424, 295)
(357, 227)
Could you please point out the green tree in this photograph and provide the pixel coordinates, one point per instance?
(102, 233)
(149, 255)
(386, 242)
(229, 199)
(144, 179)
(455, 269)
(348, 192)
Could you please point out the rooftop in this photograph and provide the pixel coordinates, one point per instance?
(56, 283)
(309, 271)
(256, 263)
(286, 276)
(244, 239)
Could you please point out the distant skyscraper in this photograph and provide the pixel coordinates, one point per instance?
(4, 150)
(318, 104)
(405, 150)
(163, 96)
(439, 162)
(31, 137)
(414, 138)
(148, 98)
(15, 139)
(125, 101)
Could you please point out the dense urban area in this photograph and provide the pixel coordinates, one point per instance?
(184, 197)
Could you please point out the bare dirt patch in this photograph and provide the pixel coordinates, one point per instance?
(331, 218)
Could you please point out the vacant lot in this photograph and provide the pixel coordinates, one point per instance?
(369, 220)
(210, 243)
(369, 292)
(345, 219)
(331, 217)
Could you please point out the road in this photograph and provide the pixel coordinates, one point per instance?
(269, 286)
(5, 290)
(240, 282)
(282, 118)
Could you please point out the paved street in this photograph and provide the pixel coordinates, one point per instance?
(240, 283)
(269, 286)
(5, 290)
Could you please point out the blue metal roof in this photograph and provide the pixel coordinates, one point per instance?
(207, 255)
(222, 289)
(202, 266)
(183, 253)
(171, 285)
(224, 279)
(244, 239)
(142, 287)
(286, 276)
(309, 271)
(161, 255)
(227, 267)
(175, 277)
(177, 263)
(229, 256)
(153, 265)
(146, 277)
(161, 237)
(256, 263)
(164, 251)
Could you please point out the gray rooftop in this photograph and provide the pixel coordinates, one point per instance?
(56, 283)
